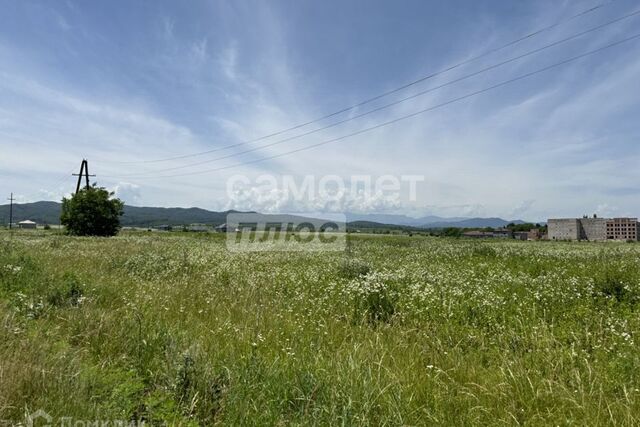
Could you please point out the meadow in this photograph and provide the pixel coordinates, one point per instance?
(171, 328)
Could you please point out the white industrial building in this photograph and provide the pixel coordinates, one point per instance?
(27, 224)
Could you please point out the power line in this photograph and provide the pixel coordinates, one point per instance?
(52, 187)
(384, 94)
(408, 116)
(416, 95)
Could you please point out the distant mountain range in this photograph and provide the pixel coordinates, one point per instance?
(432, 221)
(399, 219)
(49, 213)
(474, 223)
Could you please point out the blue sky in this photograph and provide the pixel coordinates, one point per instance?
(127, 81)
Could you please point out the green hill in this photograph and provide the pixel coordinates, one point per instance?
(49, 213)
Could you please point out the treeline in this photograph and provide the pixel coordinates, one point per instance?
(375, 228)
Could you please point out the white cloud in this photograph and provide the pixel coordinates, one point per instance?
(605, 210)
(228, 60)
(540, 139)
(274, 200)
(199, 50)
(128, 193)
(522, 209)
(168, 26)
(62, 23)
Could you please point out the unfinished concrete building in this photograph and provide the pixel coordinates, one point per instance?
(623, 229)
(564, 229)
(593, 229)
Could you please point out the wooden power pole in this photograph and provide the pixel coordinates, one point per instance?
(84, 171)
(10, 211)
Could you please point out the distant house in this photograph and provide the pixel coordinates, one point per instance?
(534, 234)
(521, 235)
(163, 227)
(27, 224)
(222, 228)
(503, 233)
(202, 228)
(475, 234)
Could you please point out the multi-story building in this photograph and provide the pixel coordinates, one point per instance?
(593, 229)
(623, 229)
(564, 229)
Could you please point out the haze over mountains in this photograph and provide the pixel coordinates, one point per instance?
(49, 213)
(432, 221)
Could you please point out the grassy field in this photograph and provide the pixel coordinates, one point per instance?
(172, 328)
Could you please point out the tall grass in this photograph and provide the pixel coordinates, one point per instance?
(400, 331)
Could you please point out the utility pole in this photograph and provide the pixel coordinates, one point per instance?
(10, 211)
(84, 171)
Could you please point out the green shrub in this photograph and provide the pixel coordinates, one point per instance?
(485, 251)
(375, 298)
(91, 212)
(69, 294)
(615, 285)
(352, 268)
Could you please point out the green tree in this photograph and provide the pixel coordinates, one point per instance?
(92, 212)
(452, 232)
